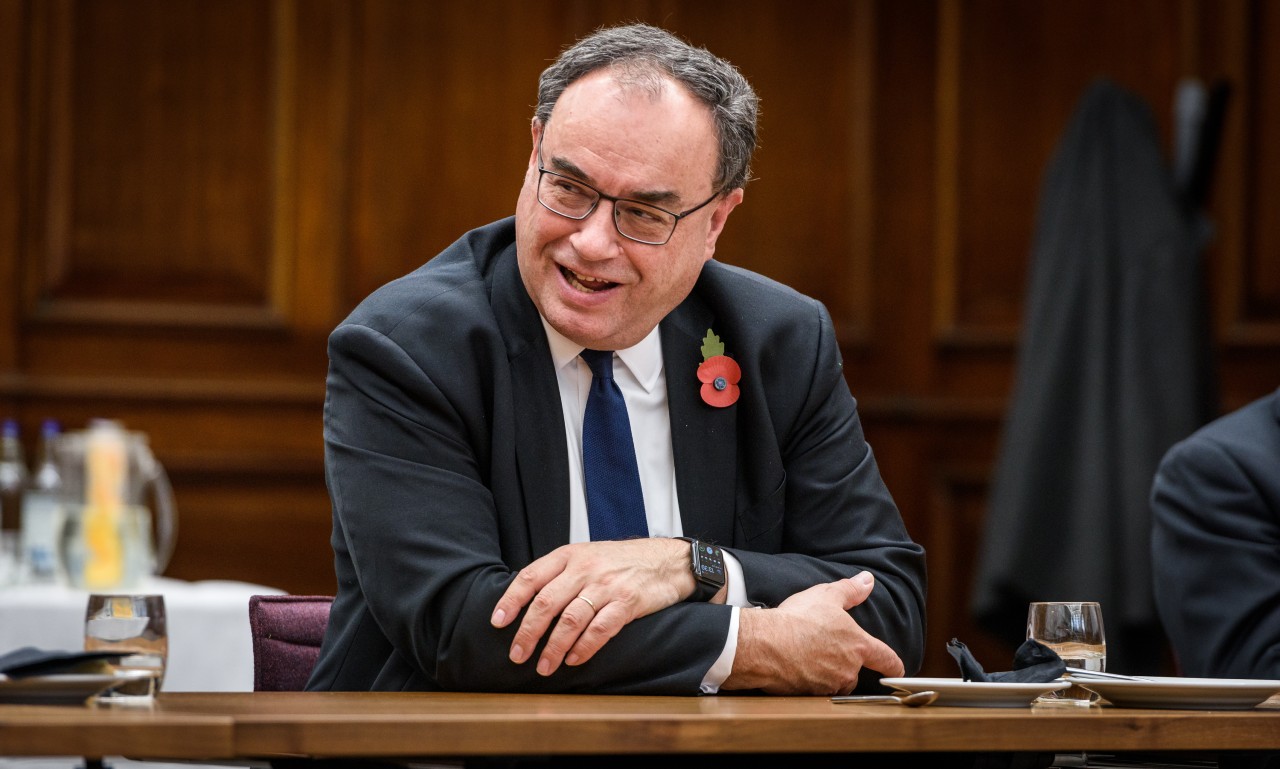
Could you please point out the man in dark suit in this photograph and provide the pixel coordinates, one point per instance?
(1216, 545)
(454, 425)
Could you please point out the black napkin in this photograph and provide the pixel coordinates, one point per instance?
(1032, 663)
(30, 661)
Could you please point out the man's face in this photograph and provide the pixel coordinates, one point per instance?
(593, 285)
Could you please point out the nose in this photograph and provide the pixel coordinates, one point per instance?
(596, 236)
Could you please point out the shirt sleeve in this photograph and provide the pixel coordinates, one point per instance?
(736, 597)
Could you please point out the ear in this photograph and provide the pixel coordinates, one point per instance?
(535, 131)
(720, 215)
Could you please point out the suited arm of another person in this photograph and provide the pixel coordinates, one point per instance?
(1216, 545)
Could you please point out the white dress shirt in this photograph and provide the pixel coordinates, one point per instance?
(643, 383)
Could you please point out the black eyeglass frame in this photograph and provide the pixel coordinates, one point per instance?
(543, 171)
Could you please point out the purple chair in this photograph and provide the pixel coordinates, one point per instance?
(287, 631)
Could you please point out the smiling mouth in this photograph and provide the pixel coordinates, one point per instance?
(585, 283)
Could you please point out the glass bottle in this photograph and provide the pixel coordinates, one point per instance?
(13, 480)
(42, 517)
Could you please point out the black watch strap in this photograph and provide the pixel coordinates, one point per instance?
(706, 561)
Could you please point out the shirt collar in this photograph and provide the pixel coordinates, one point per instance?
(644, 360)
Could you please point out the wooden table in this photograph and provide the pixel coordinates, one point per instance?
(243, 725)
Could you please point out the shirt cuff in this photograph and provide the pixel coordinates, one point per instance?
(735, 596)
(724, 665)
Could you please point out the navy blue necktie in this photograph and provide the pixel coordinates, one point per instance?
(615, 504)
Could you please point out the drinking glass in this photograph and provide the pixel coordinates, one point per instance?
(1073, 629)
(133, 624)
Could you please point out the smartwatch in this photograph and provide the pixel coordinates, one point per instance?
(706, 561)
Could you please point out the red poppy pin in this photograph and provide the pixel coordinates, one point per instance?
(718, 373)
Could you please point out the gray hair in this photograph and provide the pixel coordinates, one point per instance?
(644, 56)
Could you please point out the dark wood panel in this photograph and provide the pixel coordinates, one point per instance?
(268, 533)
(903, 237)
(1018, 70)
(320, 196)
(160, 165)
(420, 180)
(958, 507)
(231, 355)
(1259, 305)
(12, 49)
(443, 100)
(806, 218)
(936, 463)
(1241, 263)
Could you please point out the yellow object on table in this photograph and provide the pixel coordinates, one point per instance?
(106, 461)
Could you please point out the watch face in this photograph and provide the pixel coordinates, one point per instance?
(709, 564)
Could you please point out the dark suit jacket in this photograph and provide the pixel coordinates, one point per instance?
(1215, 545)
(445, 459)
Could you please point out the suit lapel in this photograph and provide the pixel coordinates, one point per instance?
(703, 438)
(539, 424)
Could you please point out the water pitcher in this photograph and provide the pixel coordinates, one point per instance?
(111, 485)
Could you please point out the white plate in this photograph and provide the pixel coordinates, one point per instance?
(1182, 693)
(68, 689)
(976, 694)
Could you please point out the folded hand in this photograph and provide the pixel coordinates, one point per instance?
(590, 590)
(810, 644)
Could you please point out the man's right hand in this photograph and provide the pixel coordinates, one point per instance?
(809, 644)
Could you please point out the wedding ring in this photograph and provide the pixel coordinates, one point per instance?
(588, 600)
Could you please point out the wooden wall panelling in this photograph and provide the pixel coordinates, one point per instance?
(1229, 197)
(1258, 307)
(891, 371)
(11, 88)
(443, 98)
(155, 202)
(322, 134)
(936, 462)
(1011, 75)
(445, 103)
(182, 154)
(958, 495)
(1242, 261)
(806, 219)
(162, 196)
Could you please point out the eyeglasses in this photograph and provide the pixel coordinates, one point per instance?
(634, 220)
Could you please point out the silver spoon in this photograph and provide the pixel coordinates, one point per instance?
(913, 700)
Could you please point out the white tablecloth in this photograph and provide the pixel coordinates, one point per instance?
(210, 649)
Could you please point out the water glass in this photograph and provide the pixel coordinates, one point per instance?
(133, 624)
(1073, 629)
